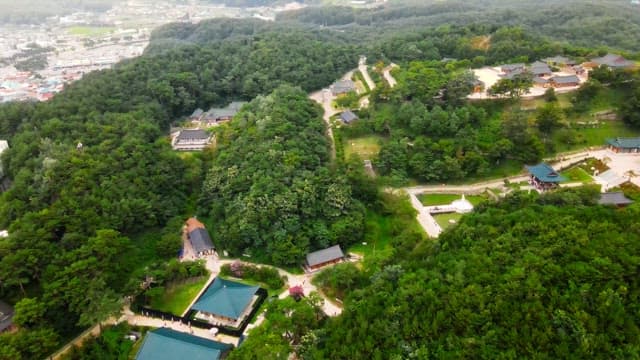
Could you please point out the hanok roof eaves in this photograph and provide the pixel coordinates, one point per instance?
(545, 173)
(165, 344)
(6, 315)
(614, 198)
(625, 143)
(566, 79)
(226, 298)
(200, 240)
(324, 255)
(193, 134)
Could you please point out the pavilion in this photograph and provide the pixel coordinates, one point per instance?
(226, 303)
(168, 344)
(624, 145)
(543, 177)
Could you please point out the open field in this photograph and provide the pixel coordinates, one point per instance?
(366, 147)
(176, 299)
(594, 136)
(443, 219)
(377, 235)
(90, 30)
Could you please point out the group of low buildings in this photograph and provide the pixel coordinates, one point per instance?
(544, 177)
(558, 72)
(198, 138)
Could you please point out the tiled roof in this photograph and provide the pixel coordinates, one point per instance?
(200, 240)
(168, 344)
(197, 134)
(226, 298)
(614, 198)
(325, 255)
(545, 173)
(625, 143)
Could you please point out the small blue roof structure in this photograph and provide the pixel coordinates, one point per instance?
(625, 143)
(545, 173)
(200, 240)
(348, 116)
(168, 344)
(226, 298)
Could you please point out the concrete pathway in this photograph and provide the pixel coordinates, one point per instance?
(386, 72)
(362, 66)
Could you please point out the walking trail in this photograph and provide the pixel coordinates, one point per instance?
(430, 226)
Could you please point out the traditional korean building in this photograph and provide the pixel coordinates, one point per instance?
(624, 145)
(226, 302)
(543, 177)
(168, 344)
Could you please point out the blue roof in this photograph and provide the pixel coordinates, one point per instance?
(167, 344)
(545, 173)
(625, 143)
(226, 298)
(200, 240)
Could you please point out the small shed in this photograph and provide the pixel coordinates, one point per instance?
(328, 256)
(348, 116)
(565, 81)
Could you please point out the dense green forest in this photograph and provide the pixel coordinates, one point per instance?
(271, 190)
(550, 276)
(98, 196)
(93, 172)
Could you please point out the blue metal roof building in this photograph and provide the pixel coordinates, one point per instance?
(168, 344)
(226, 298)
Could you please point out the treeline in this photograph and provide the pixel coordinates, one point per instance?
(548, 276)
(606, 24)
(36, 11)
(271, 192)
(92, 172)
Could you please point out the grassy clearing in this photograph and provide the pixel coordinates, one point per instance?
(176, 299)
(595, 136)
(577, 174)
(446, 199)
(366, 147)
(444, 219)
(564, 101)
(377, 235)
(90, 30)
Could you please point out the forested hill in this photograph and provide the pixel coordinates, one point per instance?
(544, 277)
(92, 170)
(608, 23)
(271, 190)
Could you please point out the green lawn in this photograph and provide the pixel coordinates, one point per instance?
(90, 30)
(443, 219)
(446, 199)
(577, 174)
(176, 299)
(595, 136)
(377, 235)
(366, 147)
(270, 291)
(564, 101)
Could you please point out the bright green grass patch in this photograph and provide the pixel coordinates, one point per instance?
(576, 174)
(176, 299)
(564, 101)
(90, 30)
(595, 136)
(377, 235)
(366, 147)
(443, 219)
(446, 199)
